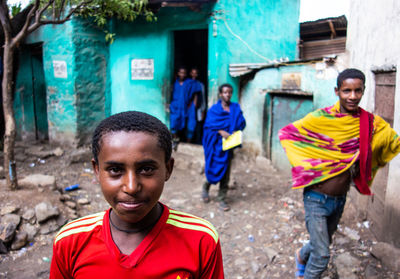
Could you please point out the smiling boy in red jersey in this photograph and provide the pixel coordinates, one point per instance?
(138, 237)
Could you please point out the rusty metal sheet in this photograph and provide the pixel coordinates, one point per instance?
(384, 107)
(291, 80)
(384, 95)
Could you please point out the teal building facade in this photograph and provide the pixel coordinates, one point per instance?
(84, 79)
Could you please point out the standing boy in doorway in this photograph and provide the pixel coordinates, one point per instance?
(201, 105)
(182, 109)
(328, 149)
(138, 237)
(223, 118)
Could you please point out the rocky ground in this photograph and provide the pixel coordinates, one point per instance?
(259, 234)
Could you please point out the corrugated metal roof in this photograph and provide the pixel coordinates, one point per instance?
(323, 28)
(237, 70)
(287, 92)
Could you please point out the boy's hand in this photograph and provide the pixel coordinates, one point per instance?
(224, 134)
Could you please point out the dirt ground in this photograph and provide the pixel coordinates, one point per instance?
(258, 235)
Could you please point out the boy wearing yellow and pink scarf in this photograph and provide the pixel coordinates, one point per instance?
(328, 149)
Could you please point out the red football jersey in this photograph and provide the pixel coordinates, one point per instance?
(180, 246)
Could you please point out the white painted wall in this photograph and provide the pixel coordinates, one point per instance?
(373, 41)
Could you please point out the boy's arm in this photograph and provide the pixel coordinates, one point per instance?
(214, 266)
(386, 141)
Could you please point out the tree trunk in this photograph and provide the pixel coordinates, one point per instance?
(10, 168)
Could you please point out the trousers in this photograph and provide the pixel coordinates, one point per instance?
(322, 215)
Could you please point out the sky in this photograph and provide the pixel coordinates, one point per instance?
(309, 9)
(316, 9)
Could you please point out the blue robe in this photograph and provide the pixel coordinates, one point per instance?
(219, 119)
(198, 87)
(182, 110)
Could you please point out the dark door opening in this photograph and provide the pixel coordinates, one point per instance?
(191, 51)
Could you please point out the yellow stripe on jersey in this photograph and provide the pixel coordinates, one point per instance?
(190, 215)
(192, 222)
(84, 224)
(89, 219)
(195, 221)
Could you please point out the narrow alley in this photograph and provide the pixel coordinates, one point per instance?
(258, 235)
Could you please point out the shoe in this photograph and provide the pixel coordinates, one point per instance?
(205, 197)
(175, 145)
(224, 206)
(300, 268)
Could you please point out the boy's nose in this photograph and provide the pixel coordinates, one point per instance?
(131, 184)
(353, 94)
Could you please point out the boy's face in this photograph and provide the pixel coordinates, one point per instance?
(194, 73)
(350, 94)
(226, 94)
(132, 172)
(182, 74)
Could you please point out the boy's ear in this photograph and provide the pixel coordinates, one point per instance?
(337, 91)
(169, 166)
(95, 168)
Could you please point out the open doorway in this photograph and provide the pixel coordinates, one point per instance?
(191, 51)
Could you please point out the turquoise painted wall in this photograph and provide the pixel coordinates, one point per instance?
(61, 100)
(77, 102)
(255, 101)
(148, 40)
(246, 32)
(258, 31)
(91, 85)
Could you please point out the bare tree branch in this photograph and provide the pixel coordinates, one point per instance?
(28, 19)
(38, 16)
(42, 10)
(62, 8)
(54, 9)
(5, 21)
(68, 16)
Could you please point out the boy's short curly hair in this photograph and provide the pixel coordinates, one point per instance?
(350, 73)
(133, 121)
(224, 85)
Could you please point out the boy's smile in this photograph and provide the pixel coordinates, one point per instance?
(132, 172)
(350, 94)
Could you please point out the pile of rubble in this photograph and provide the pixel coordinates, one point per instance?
(19, 227)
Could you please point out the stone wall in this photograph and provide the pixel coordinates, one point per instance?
(373, 43)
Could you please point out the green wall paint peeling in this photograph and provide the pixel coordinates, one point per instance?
(91, 88)
(76, 102)
(99, 76)
(256, 102)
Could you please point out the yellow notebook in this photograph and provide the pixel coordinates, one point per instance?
(232, 141)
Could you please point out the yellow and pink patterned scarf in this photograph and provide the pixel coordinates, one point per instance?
(326, 143)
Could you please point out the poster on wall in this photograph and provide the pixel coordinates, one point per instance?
(60, 69)
(142, 69)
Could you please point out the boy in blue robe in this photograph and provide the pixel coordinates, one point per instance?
(182, 108)
(201, 106)
(222, 119)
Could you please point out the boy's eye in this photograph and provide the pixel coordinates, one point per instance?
(147, 170)
(113, 171)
